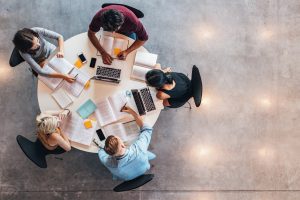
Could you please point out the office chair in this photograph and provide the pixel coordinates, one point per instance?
(134, 183)
(138, 13)
(196, 86)
(15, 58)
(35, 151)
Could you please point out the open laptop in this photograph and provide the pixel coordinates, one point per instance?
(143, 100)
(108, 74)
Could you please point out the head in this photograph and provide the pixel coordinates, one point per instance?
(112, 20)
(157, 78)
(114, 146)
(47, 124)
(27, 40)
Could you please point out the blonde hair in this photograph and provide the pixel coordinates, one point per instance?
(47, 124)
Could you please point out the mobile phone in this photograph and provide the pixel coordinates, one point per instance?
(82, 57)
(93, 62)
(100, 134)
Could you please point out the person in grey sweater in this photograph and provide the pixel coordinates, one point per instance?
(35, 49)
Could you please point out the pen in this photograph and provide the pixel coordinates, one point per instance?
(123, 107)
(75, 77)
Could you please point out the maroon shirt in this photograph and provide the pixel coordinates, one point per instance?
(131, 23)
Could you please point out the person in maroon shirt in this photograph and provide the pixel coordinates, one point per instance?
(116, 18)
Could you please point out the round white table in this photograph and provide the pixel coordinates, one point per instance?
(98, 90)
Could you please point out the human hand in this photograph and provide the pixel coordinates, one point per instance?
(60, 54)
(69, 79)
(107, 59)
(122, 55)
(127, 109)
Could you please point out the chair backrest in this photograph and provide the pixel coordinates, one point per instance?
(138, 13)
(36, 151)
(33, 150)
(134, 183)
(15, 58)
(196, 86)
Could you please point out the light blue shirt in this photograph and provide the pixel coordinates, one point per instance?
(134, 162)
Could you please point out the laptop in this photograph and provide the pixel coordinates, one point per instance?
(108, 74)
(143, 100)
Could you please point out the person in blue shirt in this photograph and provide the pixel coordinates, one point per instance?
(128, 163)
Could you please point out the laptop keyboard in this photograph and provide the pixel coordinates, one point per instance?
(147, 99)
(108, 72)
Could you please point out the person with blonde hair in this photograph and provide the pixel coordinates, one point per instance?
(128, 163)
(48, 130)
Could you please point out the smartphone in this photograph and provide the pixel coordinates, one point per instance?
(93, 62)
(100, 134)
(82, 57)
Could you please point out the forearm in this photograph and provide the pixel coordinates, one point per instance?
(57, 75)
(94, 40)
(138, 119)
(61, 44)
(135, 45)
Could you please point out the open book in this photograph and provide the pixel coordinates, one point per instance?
(109, 110)
(77, 86)
(55, 65)
(143, 63)
(112, 45)
(62, 98)
(74, 128)
(128, 131)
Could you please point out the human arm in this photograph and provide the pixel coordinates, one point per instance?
(162, 96)
(103, 156)
(107, 59)
(137, 117)
(62, 140)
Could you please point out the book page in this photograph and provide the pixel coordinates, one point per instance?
(118, 46)
(139, 72)
(116, 130)
(76, 87)
(145, 59)
(107, 43)
(132, 131)
(104, 113)
(117, 101)
(52, 83)
(61, 65)
(62, 98)
(74, 128)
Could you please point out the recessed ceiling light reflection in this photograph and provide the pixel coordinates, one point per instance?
(266, 152)
(266, 102)
(4, 73)
(206, 101)
(205, 32)
(266, 34)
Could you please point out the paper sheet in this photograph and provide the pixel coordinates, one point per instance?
(62, 98)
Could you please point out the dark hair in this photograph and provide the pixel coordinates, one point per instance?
(112, 19)
(157, 78)
(111, 145)
(23, 39)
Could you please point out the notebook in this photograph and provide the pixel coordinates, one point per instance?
(62, 98)
(55, 65)
(74, 128)
(143, 63)
(112, 45)
(109, 110)
(128, 131)
(86, 109)
(77, 86)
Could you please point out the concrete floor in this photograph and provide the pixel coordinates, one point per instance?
(242, 143)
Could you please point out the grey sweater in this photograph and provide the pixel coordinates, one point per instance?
(44, 52)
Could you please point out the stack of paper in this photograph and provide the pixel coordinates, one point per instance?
(143, 63)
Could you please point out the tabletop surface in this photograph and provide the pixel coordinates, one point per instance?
(98, 90)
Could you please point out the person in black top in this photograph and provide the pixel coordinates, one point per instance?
(172, 87)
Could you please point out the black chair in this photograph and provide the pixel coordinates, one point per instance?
(196, 86)
(134, 183)
(15, 58)
(35, 151)
(138, 13)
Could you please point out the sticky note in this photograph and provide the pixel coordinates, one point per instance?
(78, 63)
(117, 51)
(87, 85)
(88, 123)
